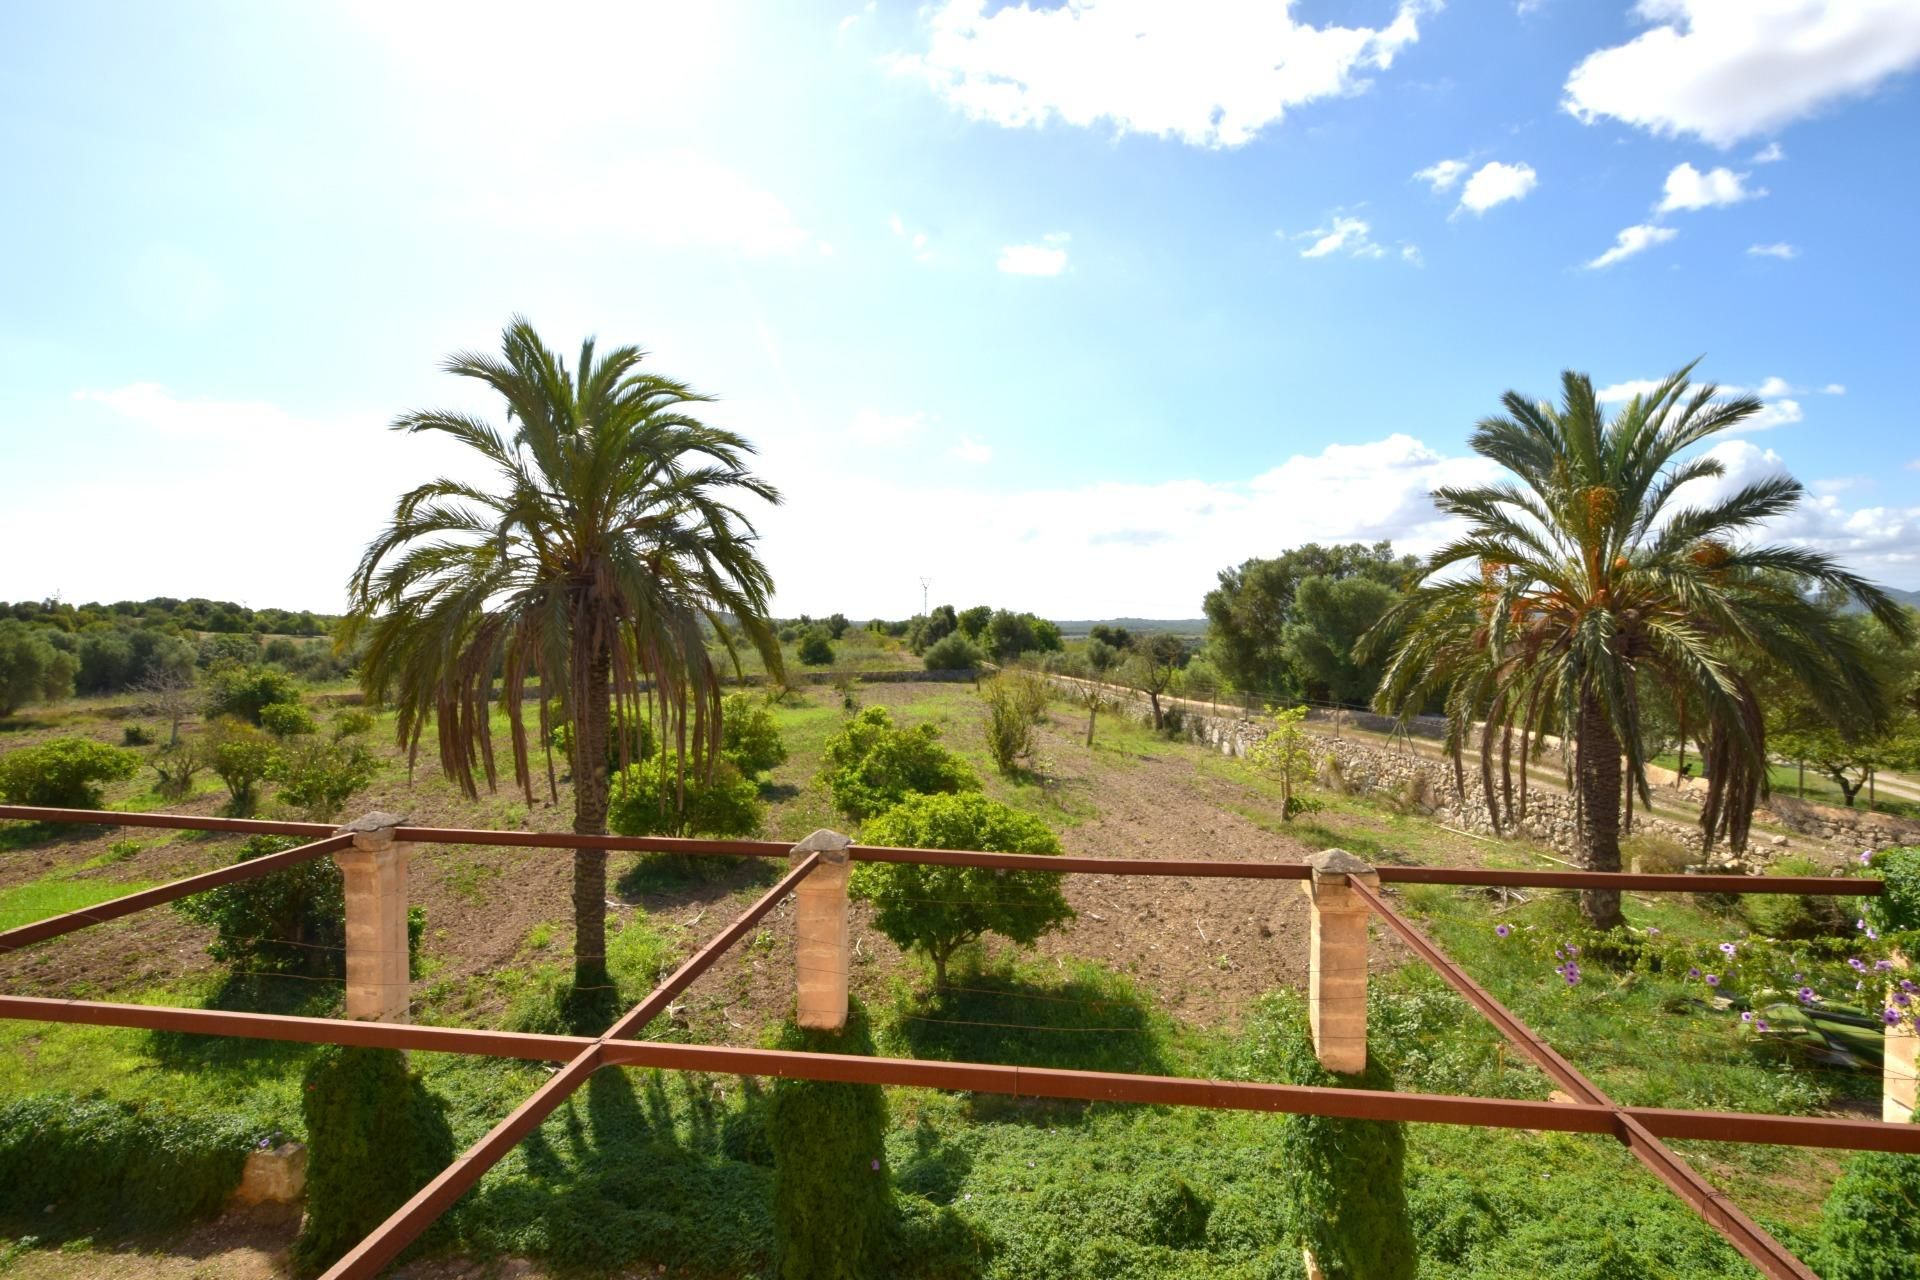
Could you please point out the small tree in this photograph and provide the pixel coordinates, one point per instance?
(169, 690)
(241, 692)
(655, 798)
(318, 778)
(952, 653)
(816, 648)
(939, 909)
(242, 756)
(749, 736)
(176, 767)
(1284, 753)
(837, 625)
(64, 773)
(1088, 689)
(1151, 669)
(31, 669)
(286, 720)
(873, 764)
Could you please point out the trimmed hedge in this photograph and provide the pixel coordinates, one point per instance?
(84, 1165)
(375, 1135)
(833, 1213)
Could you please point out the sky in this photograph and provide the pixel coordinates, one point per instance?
(1065, 307)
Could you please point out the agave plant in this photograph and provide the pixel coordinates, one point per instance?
(1592, 578)
(599, 562)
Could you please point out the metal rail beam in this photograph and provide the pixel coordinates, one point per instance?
(113, 908)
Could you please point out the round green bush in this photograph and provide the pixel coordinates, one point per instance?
(816, 649)
(749, 736)
(65, 773)
(872, 764)
(375, 1135)
(1897, 908)
(244, 691)
(1870, 1224)
(952, 653)
(940, 909)
(657, 798)
(286, 719)
(833, 1213)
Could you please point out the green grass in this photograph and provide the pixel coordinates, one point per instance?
(57, 894)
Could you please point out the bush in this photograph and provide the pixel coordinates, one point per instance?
(89, 1165)
(375, 1135)
(872, 765)
(1897, 908)
(242, 756)
(242, 692)
(657, 798)
(31, 670)
(1016, 701)
(953, 653)
(939, 909)
(639, 742)
(1800, 917)
(1869, 1227)
(1656, 855)
(837, 625)
(1346, 1179)
(832, 1190)
(286, 719)
(177, 767)
(749, 736)
(64, 773)
(316, 779)
(136, 735)
(291, 921)
(816, 648)
(351, 723)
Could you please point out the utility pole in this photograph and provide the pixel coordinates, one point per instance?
(925, 583)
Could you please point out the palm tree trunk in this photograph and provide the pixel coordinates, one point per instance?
(1597, 765)
(590, 796)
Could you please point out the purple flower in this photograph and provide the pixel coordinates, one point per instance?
(1796, 977)
(1747, 1016)
(1572, 950)
(1806, 995)
(1571, 972)
(1856, 964)
(1713, 979)
(1502, 930)
(1694, 972)
(1906, 984)
(1890, 1016)
(1902, 999)
(1760, 1026)
(1881, 966)
(1726, 948)
(1866, 857)
(876, 1166)
(1653, 931)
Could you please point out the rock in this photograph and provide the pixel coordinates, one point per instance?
(1778, 842)
(274, 1176)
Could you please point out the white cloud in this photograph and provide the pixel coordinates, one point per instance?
(678, 200)
(1496, 183)
(1048, 258)
(1834, 389)
(1881, 542)
(1211, 73)
(916, 241)
(1774, 386)
(1769, 154)
(1443, 174)
(971, 451)
(883, 430)
(1688, 188)
(1781, 408)
(1351, 235)
(1632, 240)
(1779, 249)
(1621, 392)
(1411, 253)
(1724, 70)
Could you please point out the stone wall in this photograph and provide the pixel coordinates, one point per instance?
(1855, 827)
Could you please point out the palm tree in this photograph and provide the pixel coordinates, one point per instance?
(1591, 581)
(598, 562)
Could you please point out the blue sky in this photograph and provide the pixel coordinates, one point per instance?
(1065, 307)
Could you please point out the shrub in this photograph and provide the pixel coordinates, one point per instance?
(176, 767)
(375, 1135)
(657, 798)
(31, 669)
(1799, 917)
(816, 648)
(749, 736)
(1016, 701)
(837, 625)
(1656, 855)
(286, 719)
(316, 779)
(291, 921)
(64, 773)
(1346, 1179)
(953, 653)
(241, 692)
(639, 742)
(832, 1191)
(872, 765)
(1284, 754)
(89, 1165)
(351, 723)
(1897, 908)
(939, 909)
(1869, 1229)
(136, 735)
(242, 756)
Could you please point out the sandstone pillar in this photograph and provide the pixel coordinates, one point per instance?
(1337, 977)
(821, 939)
(376, 884)
(1899, 1065)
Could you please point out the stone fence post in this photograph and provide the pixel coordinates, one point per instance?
(821, 954)
(375, 870)
(1899, 1063)
(1337, 977)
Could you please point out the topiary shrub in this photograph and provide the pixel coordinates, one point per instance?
(872, 765)
(953, 653)
(940, 909)
(833, 1215)
(291, 921)
(79, 1166)
(375, 1135)
(749, 736)
(65, 773)
(1345, 1179)
(286, 719)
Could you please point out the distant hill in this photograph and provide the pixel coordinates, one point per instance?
(1908, 598)
(1177, 626)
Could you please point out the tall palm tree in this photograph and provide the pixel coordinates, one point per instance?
(1591, 580)
(605, 551)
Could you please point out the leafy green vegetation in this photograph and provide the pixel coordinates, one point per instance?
(65, 773)
(872, 765)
